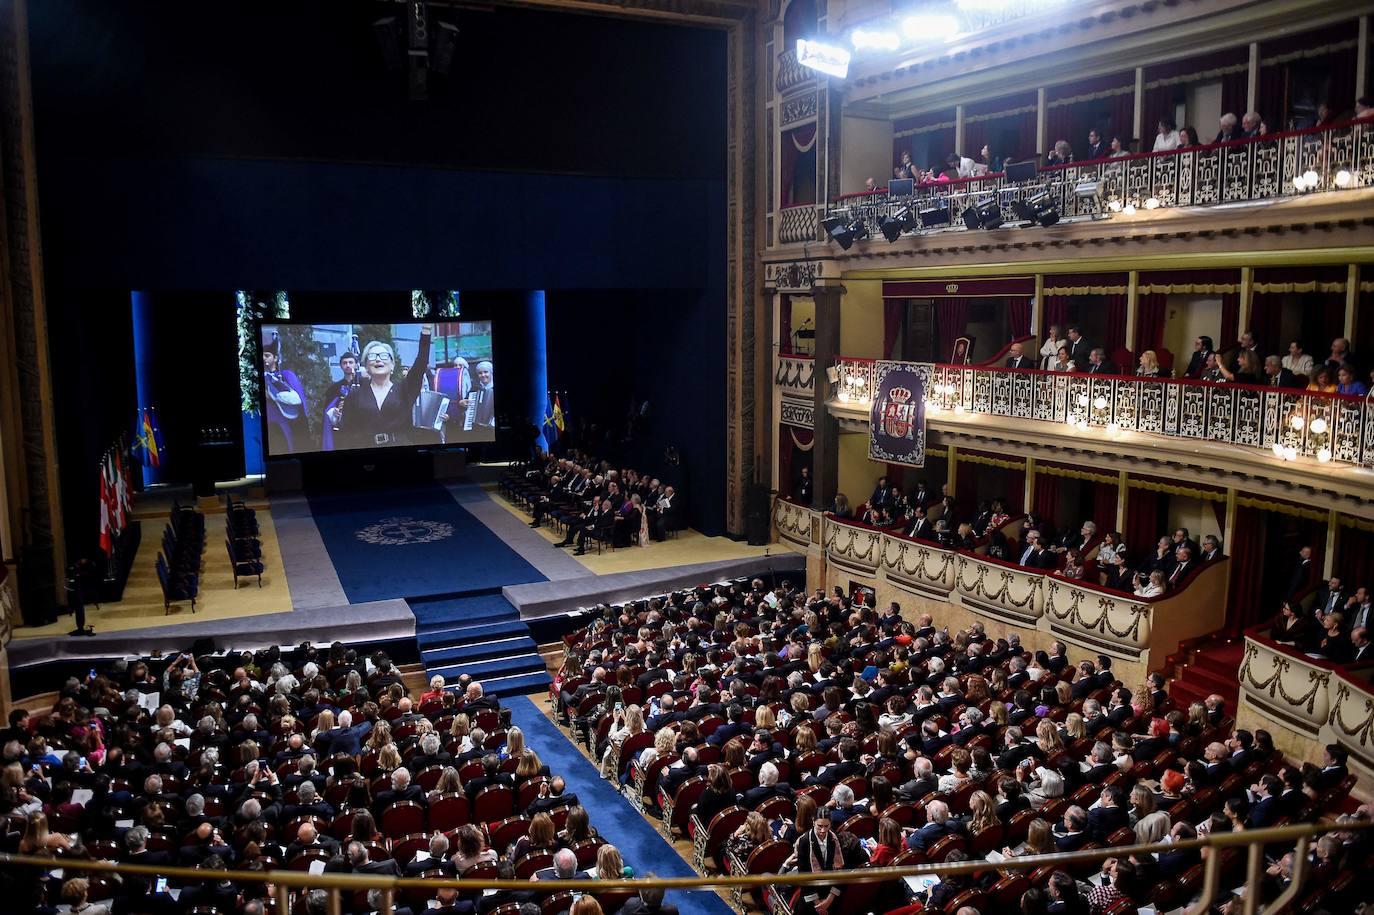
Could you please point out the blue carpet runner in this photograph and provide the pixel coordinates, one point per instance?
(642, 846)
(418, 543)
(412, 542)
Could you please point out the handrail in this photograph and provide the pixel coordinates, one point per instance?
(1260, 633)
(285, 880)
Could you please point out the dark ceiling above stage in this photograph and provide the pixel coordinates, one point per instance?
(528, 90)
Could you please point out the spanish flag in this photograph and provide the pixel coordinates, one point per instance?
(152, 435)
(558, 415)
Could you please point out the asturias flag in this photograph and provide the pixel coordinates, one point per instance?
(550, 428)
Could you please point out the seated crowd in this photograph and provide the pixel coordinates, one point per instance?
(1084, 554)
(786, 731)
(309, 759)
(1100, 143)
(591, 500)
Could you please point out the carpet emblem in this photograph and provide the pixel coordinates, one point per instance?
(402, 531)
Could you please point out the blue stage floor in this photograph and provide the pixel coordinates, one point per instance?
(412, 543)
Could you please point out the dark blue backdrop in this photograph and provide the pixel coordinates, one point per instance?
(274, 151)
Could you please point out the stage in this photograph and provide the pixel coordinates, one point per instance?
(446, 574)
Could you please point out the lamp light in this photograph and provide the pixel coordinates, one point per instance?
(823, 58)
(1318, 426)
(1297, 422)
(1344, 178)
(1324, 455)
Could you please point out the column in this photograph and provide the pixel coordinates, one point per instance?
(1333, 527)
(1352, 302)
(1247, 289)
(1121, 481)
(537, 353)
(959, 127)
(825, 454)
(1028, 502)
(1228, 532)
(1362, 58)
(1041, 141)
(1252, 79)
(1038, 312)
(1139, 116)
(1132, 301)
(951, 477)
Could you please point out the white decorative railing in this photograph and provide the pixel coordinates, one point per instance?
(799, 224)
(1290, 423)
(1028, 601)
(1337, 157)
(795, 373)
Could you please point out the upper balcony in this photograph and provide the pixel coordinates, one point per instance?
(1321, 163)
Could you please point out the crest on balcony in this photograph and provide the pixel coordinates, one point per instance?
(897, 423)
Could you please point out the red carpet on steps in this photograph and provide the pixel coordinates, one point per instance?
(1213, 669)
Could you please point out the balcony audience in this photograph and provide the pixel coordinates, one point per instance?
(1119, 147)
(1149, 365)
(1276, 375)
(1166, 136)
(1348, 383)
(1297, 361)
(1061, 154)
(1054, 342)
(1230, 129)
(1187, 138)
(1097, 147)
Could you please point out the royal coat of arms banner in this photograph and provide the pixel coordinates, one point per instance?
(897, 424)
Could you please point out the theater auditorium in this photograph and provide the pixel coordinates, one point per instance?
(932, 468)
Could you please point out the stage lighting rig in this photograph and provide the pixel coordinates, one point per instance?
(1038, 209)
(984, 215)
(414, 39)
(933, 217)
(894, 224)
(844, 230)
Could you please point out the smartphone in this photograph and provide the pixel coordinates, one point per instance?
(160, 885)
(91, 675)
(620, 707)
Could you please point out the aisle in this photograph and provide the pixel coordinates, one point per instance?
(642, 847)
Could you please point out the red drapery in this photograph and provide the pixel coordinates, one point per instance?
(1112, 115)
(965, 487)
(893, 310)
(1116, 322)
(1159, 101)
(1056, 312)
(1151, 309)
(1015, 486)
(896, 475)
(1046, 497)
(1018, 317)
(1244, 605)
(952, 317)
(1354, 557)
(1104, 506)
(1143, 523)
(1230, 319)
(795, 142)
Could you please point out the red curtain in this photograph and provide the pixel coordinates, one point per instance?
(1104, 506)
(1018, 317)
(965, 488)
(1116, 323)
(896, 475)
(1015, 486)
(1143, 528)
(1355, 557)
(786, 481)
(952, 317)
(893, 310)
(1266, 316)
(1151, 308)
(1245, 604)
(794, 143)
(1046, 498)
(1235, 92)
(1056, 312)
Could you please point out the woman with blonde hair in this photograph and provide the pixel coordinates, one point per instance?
(460, 726)
(1142, 803)
(752, 833)
(1039, 841)
(39, 840)
(1048, 739)
(628, 723)
(515, 743)
(1063, 692)
(958, 776)
(764, 718)
(74, 893)
(1074, 729)
(982, 812)
(380, 736)
(609, 864)
(449, 783)
(1149, 365)
(586, 905)
(389, 758)
(804, 740)
(528, 767)
(1152, 828)
(814, 657)
(540, 836)
(998, 714)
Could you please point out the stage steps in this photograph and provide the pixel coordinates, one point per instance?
(481, 635)
(1209, 668)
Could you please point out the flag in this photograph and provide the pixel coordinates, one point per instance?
(550, 428)
(558, 415)
(106, 535)
(151, 438)
(122, 490)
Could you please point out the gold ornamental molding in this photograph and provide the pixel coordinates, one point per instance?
(1283, 508)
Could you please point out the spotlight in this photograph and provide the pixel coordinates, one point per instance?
(1082, 400)
(1299, 183)
(1318, 426)
(1311, 178)
(864, 39)
(1324, 455)
(935, 216)
(844, 232)
(832, 374)
(1100, 403)
(1129, 209)
(1290, 453)
(1089, 193)
(1297, 423)
(933, 27)
(1113, 428)
(1038, 209)
(1344, 178)
(985, 215)
(825, 58)
(895, 224)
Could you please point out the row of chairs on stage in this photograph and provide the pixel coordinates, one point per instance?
(179, 560)
(243, 543)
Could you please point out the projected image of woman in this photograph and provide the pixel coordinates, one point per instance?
(285, 400)
(379, 414)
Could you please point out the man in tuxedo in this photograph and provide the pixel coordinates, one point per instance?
(802, 491)
(437, 859)
(1361, 649)
(1109, 815)
(648, 902)
(1276, 376)
(1016, 359)
(1033, 555)
(1333, 769)
(937, 826)
(491, 775)
(1071, 833)
(1183, 565)
(922, 783)
(582, 522)
(1211, 549)
(1264, 802)
(307, 839)
(1097, 147)
(1359, 609)
(552, 795)
(1099, 364)
(1330, 597)
(734, 727)
(599, 525)
(919, 526)
(768, 787)
(1078, 347)
(1302, 572)
(401, 790)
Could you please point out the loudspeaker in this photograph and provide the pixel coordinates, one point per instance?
(449, 465)
(283, 477)
(756, 514)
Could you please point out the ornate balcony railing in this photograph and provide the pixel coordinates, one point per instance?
(1035, 603)
(1318, 701)
(791, 74)
(1291, 423)
(796, 373)
(799, 224)
(1338, 157)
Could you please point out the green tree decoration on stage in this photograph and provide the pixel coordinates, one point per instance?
(253, 309)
